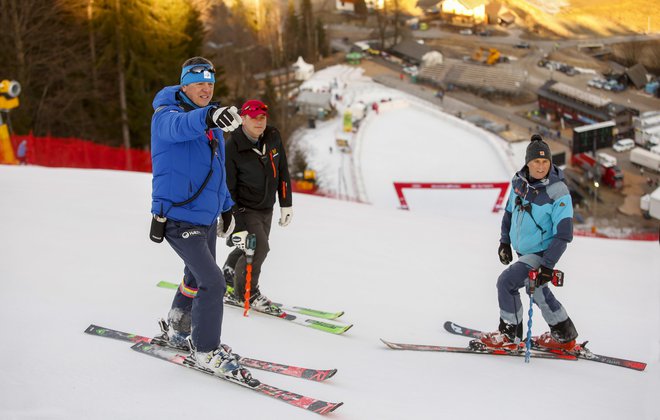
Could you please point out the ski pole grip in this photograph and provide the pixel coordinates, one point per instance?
(533, 275)
(558, 278)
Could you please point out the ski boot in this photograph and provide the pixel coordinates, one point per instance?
(221, 362)
(258, 302)
(261, 303)
(507, 338)
(560, 337)
(169, 337)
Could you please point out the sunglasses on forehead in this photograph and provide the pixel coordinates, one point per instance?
(200, 69)
(256, 108)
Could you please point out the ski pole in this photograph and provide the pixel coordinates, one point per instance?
(532, 285)
(250, 246)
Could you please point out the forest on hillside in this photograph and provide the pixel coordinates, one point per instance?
(90, 68)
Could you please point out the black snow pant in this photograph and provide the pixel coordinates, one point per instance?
(197, 305)
(257, 222)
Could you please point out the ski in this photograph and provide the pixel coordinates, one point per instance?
(311, 404)
(447, 349)
(307, 322)
(317, 375)
(298, 309)
(586, 354)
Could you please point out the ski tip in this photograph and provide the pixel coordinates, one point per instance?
(330, 408)
(640, 366)
(331, 373)
(336, 406)
(390, 344)
(348, 327)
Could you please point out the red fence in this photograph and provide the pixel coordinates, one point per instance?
(76, 153)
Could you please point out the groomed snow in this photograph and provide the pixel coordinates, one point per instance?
(74, 251)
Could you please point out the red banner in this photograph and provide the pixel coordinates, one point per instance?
(499, 203)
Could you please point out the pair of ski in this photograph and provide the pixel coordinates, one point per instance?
(149, 346)
(539, 352)
(294, 314)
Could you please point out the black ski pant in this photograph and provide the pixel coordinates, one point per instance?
(257, 222)
(199, 297)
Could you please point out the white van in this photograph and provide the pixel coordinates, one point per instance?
(606, 160)
(623, 145)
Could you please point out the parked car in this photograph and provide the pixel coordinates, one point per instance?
(596, 83)
(567, 70)
(522, 44)
(465, 32)
(485, 32)
(623, 145)
(613, 85)
(411, 70)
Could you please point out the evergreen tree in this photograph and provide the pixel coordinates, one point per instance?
(70, 57)
(323, 45)
(308, 32)
(270, 98)
(360, 8)
(292, 34)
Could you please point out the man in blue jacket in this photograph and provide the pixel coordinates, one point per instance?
(190, 196)
(538, 223)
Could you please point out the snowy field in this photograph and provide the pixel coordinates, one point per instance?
(405, 140)
(74, 251)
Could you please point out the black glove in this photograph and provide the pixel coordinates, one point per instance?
(227, 119)
(504, 252)
(545, 275)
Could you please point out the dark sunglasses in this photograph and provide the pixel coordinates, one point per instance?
(200, 69)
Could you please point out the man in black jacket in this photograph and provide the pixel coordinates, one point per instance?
(257, 171)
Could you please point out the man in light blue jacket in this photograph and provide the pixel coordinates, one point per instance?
(191, 198)
(538, 223)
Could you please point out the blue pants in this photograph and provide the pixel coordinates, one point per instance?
(516, 277)
(196, 247)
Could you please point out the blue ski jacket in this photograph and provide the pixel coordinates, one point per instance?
(182, 155)
(538, 218)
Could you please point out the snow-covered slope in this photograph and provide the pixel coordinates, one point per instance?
(74, 251)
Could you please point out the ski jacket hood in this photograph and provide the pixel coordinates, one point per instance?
(538, 218)
(183, 153)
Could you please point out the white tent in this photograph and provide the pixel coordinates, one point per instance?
(431, 58)
(303, 70)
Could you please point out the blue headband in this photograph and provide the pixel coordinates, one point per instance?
(205, 76)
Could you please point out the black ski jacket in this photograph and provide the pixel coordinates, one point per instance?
(256, 175)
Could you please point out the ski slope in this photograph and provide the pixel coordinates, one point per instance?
(405, 140)
(74, 251)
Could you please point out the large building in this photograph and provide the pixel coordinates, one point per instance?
(559, 101)
(647, 129)
(465, 11)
